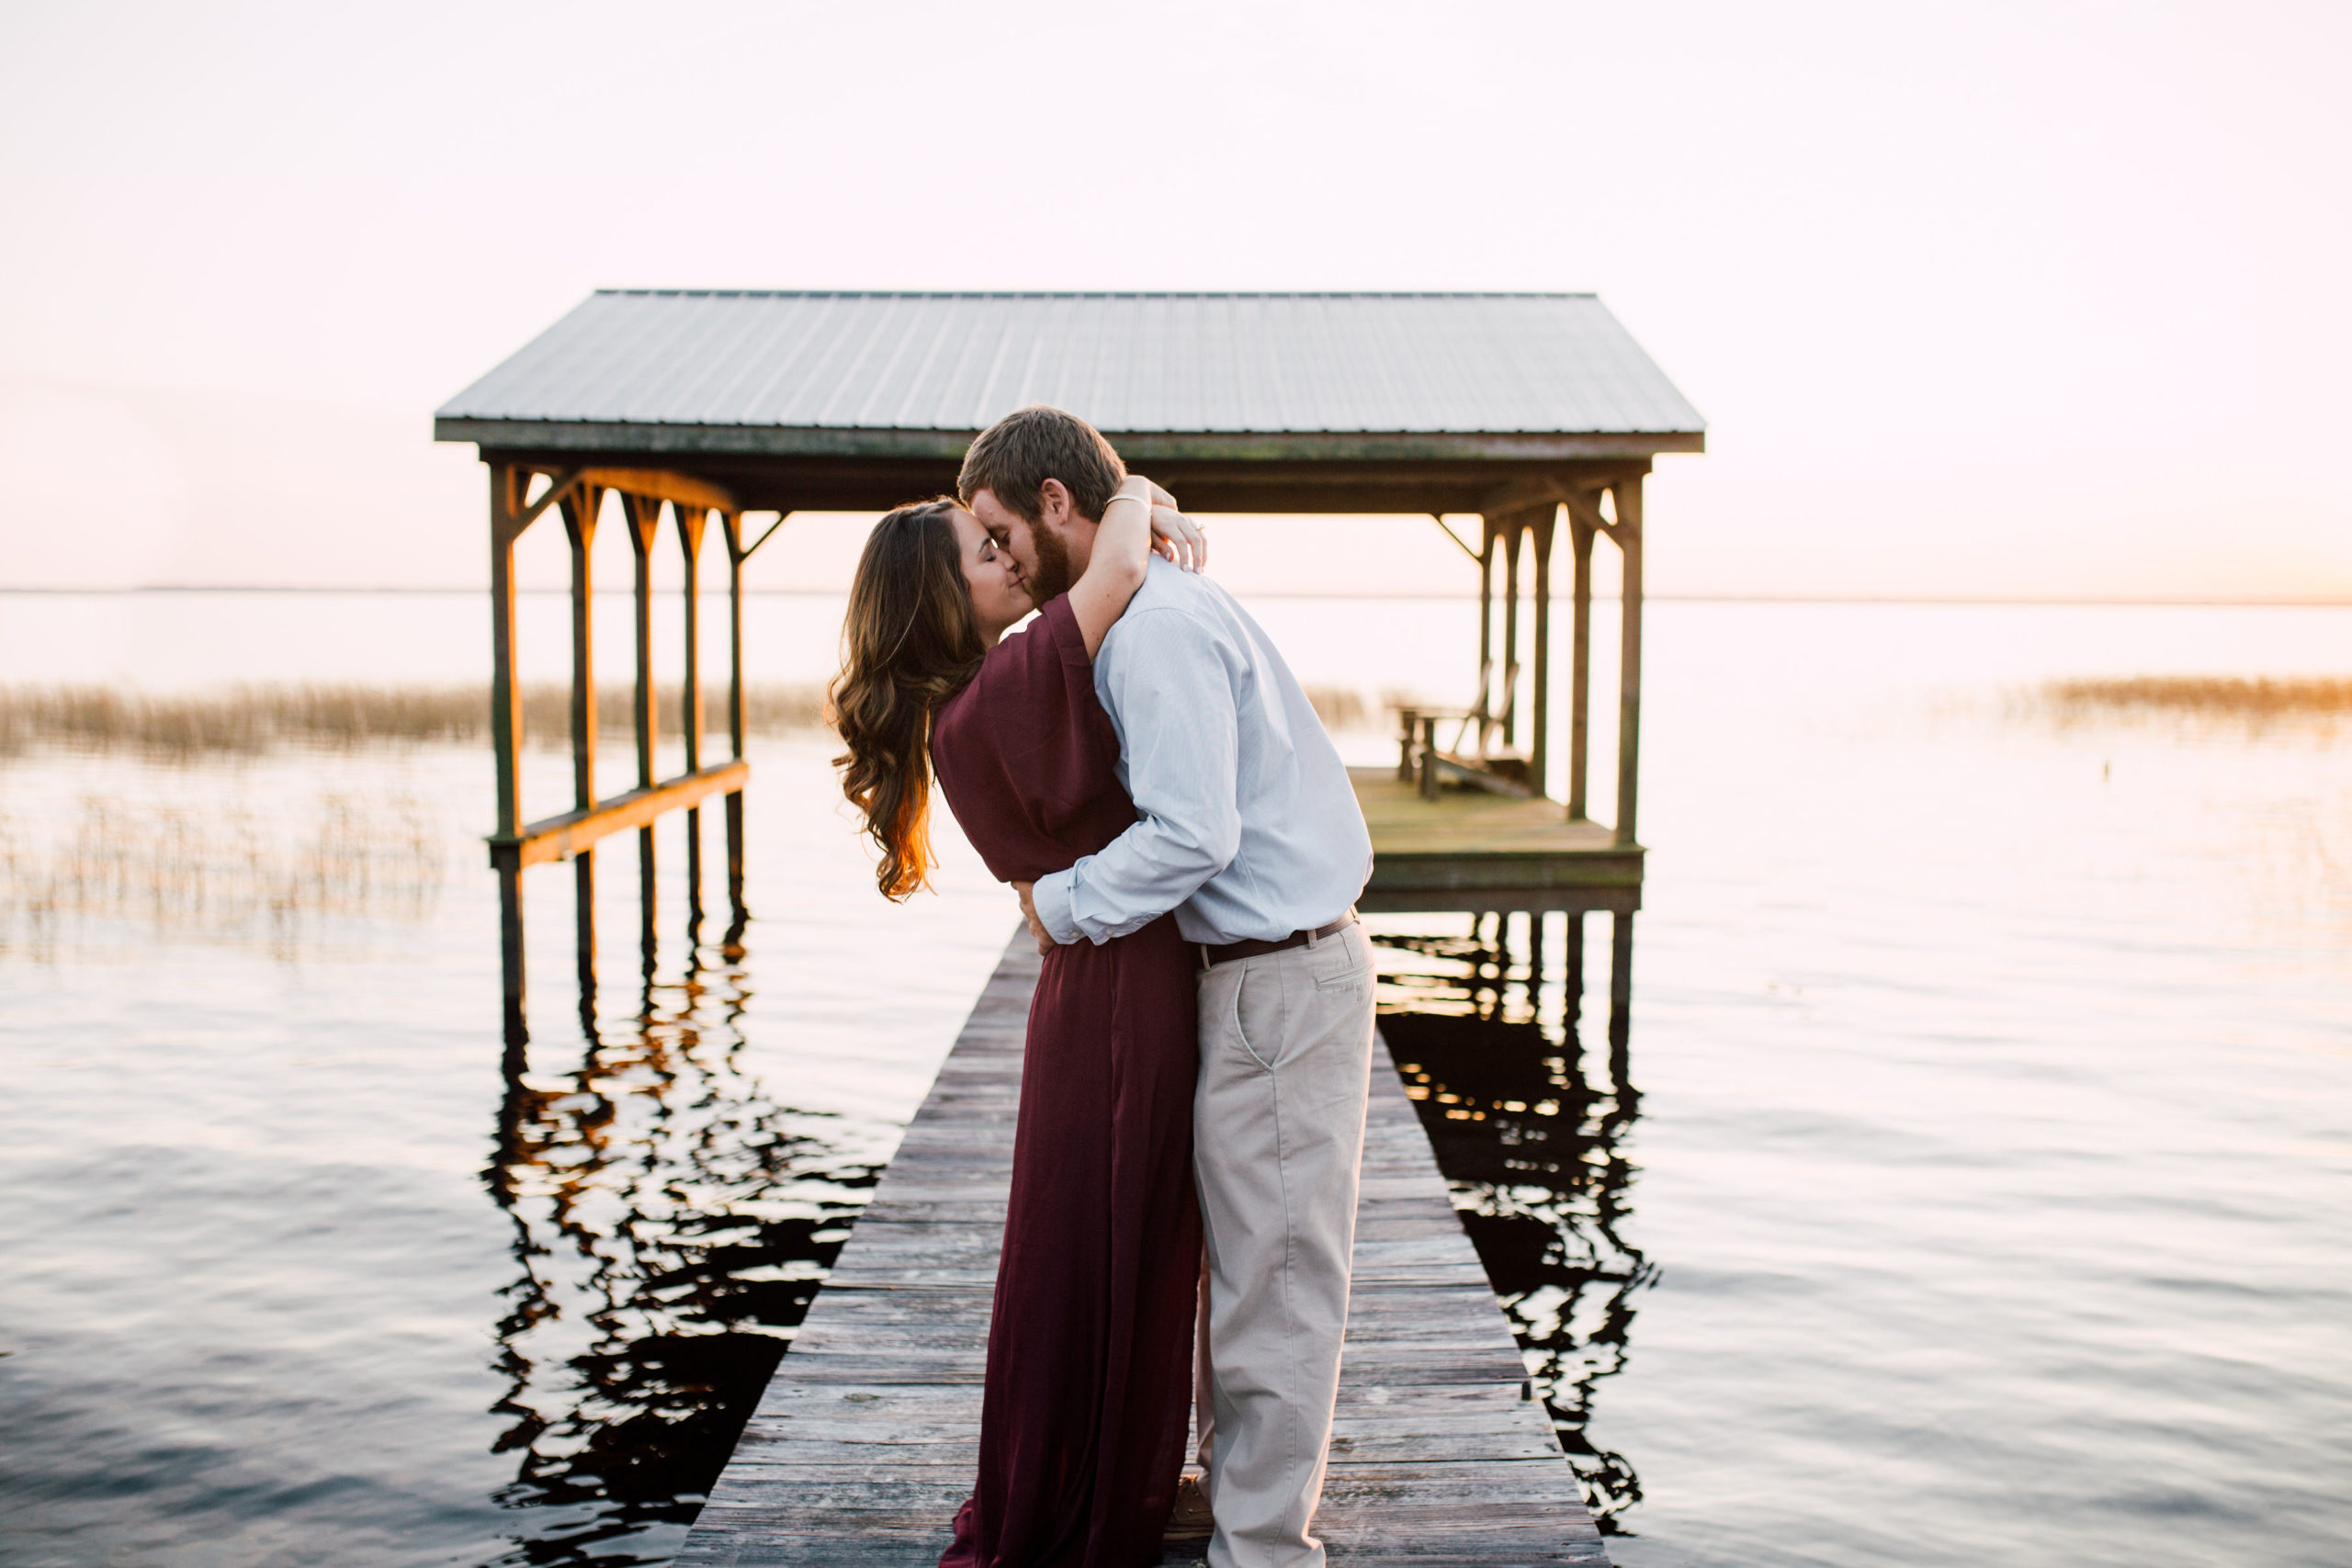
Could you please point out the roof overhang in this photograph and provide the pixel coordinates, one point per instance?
(587, 437)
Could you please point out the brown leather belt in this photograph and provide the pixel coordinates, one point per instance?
(1212, 955)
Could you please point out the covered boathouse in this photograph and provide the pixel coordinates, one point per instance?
(1534, 415)
(1537, 415)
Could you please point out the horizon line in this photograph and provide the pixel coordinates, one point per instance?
(2044, 601)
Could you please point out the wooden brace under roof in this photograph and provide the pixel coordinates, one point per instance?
(652, 484)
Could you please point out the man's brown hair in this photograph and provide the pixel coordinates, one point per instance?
(1015, 457)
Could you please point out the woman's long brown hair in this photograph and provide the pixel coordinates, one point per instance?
(909, 643)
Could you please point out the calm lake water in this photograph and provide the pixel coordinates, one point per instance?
(1972, 1183)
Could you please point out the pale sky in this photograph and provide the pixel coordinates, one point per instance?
(1980, 299)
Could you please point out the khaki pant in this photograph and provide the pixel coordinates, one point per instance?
(1278, 1134)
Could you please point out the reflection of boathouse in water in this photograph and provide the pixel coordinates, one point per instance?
(1535, 414)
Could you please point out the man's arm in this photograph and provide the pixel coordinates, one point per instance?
(1168, 682)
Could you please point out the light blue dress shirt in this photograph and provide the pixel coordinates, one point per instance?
(1245, 824)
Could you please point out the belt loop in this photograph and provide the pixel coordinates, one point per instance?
(1312, 938)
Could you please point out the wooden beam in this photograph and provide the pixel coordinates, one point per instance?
(566, 837)
(781, 518)
(1586, 508)
(662, 484)
(562, 485)
(1459, 542)
(1628, 535)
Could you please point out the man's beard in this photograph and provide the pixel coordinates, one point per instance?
(1052, 578)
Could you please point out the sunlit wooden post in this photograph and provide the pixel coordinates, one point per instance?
(1485, 708)
(580, 510)
(506, 495)
(691, 523)
(1514, 529)
(1579, 664)
(1539, 739)
(644, 513)
(732, 525)
(1628, 532)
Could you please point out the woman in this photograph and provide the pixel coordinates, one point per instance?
(1089, 1383)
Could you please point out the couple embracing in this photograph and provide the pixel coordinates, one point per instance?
(1141, 765)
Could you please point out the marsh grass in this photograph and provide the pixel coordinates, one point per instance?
(1341, 707)
(252, 719)
(220, 872)
(256, 718)
(2248, 703)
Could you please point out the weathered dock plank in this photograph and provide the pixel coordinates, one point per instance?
(865, 1443)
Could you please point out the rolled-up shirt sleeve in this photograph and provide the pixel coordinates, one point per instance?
(1169, 689)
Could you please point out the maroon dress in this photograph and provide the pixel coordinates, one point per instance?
(1083, 1420)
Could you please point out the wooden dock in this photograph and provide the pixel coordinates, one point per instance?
(865, 1442)
(1470, 850)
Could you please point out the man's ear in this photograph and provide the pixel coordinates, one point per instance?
(1054, 507)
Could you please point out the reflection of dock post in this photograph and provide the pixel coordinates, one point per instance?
(507, 485)
(579, 508)
(1572, 978)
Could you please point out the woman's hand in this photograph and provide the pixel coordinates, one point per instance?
(1045, 942)
(1178, 538)
(1173, 534)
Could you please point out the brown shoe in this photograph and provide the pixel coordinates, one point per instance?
(1192, 1520)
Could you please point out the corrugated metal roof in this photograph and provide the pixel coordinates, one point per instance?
(1226, 364)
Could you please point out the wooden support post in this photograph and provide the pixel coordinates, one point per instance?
(1628, 534)
(507, 485)
(644, 527)
(731, 527)
(1514, 530)
(1484, 706)
(1620, 986)
(1539, 739)
(580, 510)
(644, 513)
(691, 521)
(1579, 666)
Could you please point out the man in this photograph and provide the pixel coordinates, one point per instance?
(1247, 828)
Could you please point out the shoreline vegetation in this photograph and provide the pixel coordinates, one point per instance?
(250, 719)
(2252, 702)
